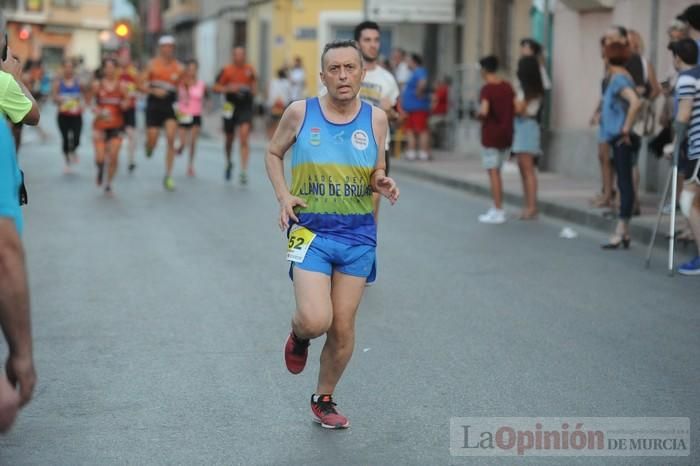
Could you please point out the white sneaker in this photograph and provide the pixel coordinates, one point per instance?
(422, 155)
(410, 155)
(493, 216)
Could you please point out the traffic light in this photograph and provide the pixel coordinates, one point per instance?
(122, 30)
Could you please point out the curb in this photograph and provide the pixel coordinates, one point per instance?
(639, 233)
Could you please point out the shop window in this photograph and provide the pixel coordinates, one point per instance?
(239, 33)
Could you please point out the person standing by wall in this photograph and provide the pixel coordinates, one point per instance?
(496, 113)
(379, 88)
(526, 139)
(416, 103)
(619, 110)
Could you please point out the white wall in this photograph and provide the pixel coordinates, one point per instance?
(205, 38)
(577, 67)
(409, 37)
(86, 43)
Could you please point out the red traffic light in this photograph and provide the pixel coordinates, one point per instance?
(25, 32)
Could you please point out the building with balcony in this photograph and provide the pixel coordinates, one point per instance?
(54, 29)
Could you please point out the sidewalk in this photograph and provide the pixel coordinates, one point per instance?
(558, 197)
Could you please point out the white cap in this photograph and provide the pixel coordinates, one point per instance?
(166, 40)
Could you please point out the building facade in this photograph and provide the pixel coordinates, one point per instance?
(577, 28)
(280, 30)
(52, 30)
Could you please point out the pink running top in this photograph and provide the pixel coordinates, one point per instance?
(190, 100)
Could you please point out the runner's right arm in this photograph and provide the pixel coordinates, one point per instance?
(281, 141)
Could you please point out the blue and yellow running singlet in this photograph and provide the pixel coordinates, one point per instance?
(331, 169)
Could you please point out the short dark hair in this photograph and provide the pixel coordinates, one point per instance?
(691, 15)
(489, 63)
(617, 54)
(340, 44)
(192, 61)
(282, 73)
(686, 50)
(533, 44)
(417, 58)
(365, 25)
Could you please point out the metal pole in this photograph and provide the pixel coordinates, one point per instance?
(651, 167)
(672, 233)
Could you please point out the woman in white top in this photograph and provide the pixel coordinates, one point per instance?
(526, 138)
(279, 95)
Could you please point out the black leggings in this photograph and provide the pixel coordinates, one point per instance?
(623, 156)
(70, 126)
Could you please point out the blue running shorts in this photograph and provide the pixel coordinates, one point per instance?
(326, 256)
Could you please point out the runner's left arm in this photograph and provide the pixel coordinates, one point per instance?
(381, 183)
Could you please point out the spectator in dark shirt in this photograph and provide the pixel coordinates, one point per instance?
(496, 113)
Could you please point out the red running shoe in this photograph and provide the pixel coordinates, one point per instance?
(295, 353)
(324, 412)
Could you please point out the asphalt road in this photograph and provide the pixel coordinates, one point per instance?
(159, 320)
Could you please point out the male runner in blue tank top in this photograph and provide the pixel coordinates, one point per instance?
(338, 161)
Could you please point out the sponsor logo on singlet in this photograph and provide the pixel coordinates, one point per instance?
(315, 137)
(359, 139)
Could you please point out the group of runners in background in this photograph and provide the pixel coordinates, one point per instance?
(174, 101)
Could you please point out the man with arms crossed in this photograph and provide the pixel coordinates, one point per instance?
(338, 156)
(379, 87)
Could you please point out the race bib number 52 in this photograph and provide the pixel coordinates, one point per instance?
(300, 239)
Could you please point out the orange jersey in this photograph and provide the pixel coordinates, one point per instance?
(109, 110)
(165, 75)
(232, 74)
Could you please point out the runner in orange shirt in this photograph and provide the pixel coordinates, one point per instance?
(160, 81)
(110, 97)
(239, 84)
